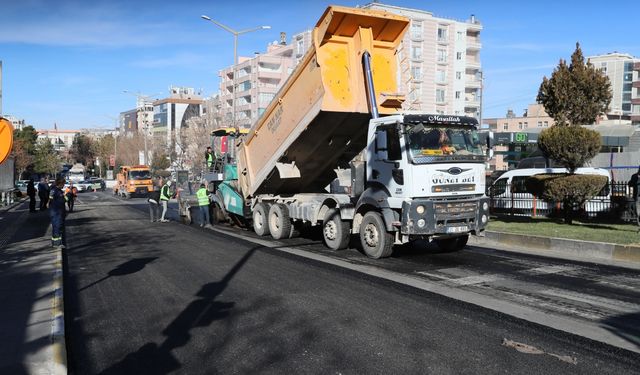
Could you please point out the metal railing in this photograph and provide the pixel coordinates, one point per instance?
(613, 202)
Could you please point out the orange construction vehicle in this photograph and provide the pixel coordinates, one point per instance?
(133, 180)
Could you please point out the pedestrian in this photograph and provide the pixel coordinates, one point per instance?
(71, 193)
(208, 158)
(203, 205)
(154, 205)
(633, 184)
(43, 193)
(31, 192)
(165, 195)
(57, 214)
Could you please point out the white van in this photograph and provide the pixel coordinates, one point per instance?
(508, 192)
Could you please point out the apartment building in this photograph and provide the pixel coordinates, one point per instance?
(258, 79)
(60, 139)
(623, 71)
(170, 114)
(440, 63)
(509, 152)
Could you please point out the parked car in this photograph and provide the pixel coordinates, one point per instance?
(98, 183)
(21, 187)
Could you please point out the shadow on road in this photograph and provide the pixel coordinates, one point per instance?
(152, 358)
(626, 326)
(126, 268)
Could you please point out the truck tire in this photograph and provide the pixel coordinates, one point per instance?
(279, 222)
(375, 240)
(335, 231)
(449, 245)
(260, 219)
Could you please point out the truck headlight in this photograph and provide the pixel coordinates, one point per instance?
(421, 222)
(485, 206)
(484, 219)
(420, 209)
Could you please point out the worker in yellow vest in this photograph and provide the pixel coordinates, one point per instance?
(203, 203)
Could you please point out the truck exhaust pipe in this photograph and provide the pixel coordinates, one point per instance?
(368, 77)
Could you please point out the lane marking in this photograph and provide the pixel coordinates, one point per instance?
(463, 281)
(548, 270)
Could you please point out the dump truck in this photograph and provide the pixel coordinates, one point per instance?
(409, 176)
(76, 173)
(133, 180)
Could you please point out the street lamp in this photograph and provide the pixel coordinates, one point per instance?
(235, 56)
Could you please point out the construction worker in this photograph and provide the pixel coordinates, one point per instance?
(165, 195)
(71, 193)
(43, 193)
(57, 214)
(208, 158)
(203, 204)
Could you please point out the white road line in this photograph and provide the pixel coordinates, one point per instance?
(465, 280)
(602, 302)
(548, 270)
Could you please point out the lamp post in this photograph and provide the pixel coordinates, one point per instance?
(235, 56)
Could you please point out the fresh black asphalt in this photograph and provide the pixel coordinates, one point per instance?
(157, 298)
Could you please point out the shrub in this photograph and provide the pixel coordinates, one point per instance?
(571, 146)
(573, 190)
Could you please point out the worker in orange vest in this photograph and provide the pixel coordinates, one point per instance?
(71, 192)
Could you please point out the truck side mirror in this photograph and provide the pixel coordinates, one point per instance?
(381, 144)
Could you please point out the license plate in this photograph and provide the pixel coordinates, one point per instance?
(457, 229)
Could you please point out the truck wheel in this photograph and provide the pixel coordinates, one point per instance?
(376, 241)
(260, 223)
(449, 245)
(335, 231)
(279, 222)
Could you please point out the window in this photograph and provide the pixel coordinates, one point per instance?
(628, 77)
(603, 67)
(300, 47)
(416, 29)
(539, 124)
(458, 55)
(416, 72)
(520, 125)
(505, 126)
(627, 87)
(626, 96)
(526, 125)
(459, 35)
(440, 93)
(265, 98)
(626, 107)
(458, 75)
(416, 52)
(546, 124)
(442, 34)
(441, 76)
(458, 94)
(442, 55)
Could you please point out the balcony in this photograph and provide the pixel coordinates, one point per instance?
(473, 63)
(472, 82)
(635, 84)
(473, 45)
(636, 66)
(635, 118)
(635, 101)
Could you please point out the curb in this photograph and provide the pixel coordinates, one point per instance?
(574, 248)
(59, 365)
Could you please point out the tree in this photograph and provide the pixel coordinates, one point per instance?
(576, 94)
(103, 148)
(82, 149)
(46, 158)
(159, 163)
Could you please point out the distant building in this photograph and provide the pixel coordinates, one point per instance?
(129, 121)
(17, 123)
(440, 63)
(623, 71)
(508, 155)
(258, 79)
(171, 114)
(62, 140)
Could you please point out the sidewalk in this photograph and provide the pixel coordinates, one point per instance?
(31, 317)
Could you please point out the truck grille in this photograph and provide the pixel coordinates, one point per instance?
(455, 209)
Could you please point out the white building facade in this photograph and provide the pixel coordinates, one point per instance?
(625, 83)
(440, 63)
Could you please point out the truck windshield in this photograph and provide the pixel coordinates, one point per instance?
(432, 143)
(139, 175)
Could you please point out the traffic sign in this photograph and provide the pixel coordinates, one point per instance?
(6, 139)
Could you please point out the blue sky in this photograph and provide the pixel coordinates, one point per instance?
(68, 62)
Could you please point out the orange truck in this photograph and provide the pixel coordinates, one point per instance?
(133, 180)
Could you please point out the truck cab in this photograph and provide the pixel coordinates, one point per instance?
(425, 174)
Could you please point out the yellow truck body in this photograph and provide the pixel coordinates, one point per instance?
(135, 179)
(318, 120)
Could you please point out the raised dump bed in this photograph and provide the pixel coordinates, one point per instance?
(318, 120)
